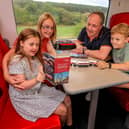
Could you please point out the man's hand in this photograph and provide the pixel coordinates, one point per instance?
(80, 49)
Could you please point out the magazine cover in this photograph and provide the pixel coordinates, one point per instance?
(56, 68)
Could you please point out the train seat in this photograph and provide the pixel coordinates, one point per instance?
(121, 95)
(119, 18)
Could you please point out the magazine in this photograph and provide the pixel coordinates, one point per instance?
(56, 68)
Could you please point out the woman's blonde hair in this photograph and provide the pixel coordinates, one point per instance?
(44, 17)
(121, 28)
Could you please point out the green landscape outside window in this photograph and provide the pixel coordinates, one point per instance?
(70, 16)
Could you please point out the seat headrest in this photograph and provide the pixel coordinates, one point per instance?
(119, 18)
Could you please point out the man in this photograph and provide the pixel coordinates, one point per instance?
(94, 41)
(95, 37)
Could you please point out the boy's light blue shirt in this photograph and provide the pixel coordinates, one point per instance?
(121, 55)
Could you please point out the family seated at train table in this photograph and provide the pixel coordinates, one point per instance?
(94, 40)
(95, 34)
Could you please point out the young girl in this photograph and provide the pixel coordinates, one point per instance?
(119, 40)
(47, 29)
(36, 100)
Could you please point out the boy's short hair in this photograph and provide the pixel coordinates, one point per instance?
(121, 28)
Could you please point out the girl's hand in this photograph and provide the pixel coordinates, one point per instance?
(102, 65)
(41, 76)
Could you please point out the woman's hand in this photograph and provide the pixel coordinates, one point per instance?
(102, 64)
(22, 83)
(16, 79)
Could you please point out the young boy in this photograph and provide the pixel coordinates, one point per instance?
(120, 53)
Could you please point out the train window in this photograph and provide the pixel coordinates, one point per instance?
(70, 15)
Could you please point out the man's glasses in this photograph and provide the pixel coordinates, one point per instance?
(47, 27)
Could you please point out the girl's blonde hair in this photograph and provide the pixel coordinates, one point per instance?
(44, 17)
(121, 28)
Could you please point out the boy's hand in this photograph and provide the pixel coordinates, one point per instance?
(102, 65)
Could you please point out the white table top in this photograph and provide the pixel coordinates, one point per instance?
(83, 79)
